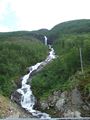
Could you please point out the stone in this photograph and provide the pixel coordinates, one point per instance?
(44, 105)
(59, 104)
(70, 113)
(52, 100)
(57, 93)
(64, 94)
(76, 98)
(85, 107)
(16, 96)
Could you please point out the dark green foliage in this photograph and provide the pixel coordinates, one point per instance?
(69, 27)
(15, 56)
(22, 35)
(56, 76)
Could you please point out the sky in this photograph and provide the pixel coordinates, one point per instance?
(36, 14)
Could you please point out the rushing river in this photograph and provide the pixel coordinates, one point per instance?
(28, 99)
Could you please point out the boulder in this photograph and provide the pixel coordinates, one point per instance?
(53, 98)
(70, 113)
(59, 104)
(44, 105)
(76, 98)
(61, 101)
(16, 96)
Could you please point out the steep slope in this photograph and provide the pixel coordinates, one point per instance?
(17, 53)
(8, 109)
(64, 75)
(62, 88)
(18, 50)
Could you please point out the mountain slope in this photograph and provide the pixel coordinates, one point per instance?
(16, 54)
(64, 73)
(27, 35)
(70, 27)
(67, 47)
(61, 88)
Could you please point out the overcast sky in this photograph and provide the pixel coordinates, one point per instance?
(37, 14)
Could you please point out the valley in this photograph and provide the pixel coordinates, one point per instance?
(61, 88)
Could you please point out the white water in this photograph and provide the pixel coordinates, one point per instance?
(45, 39)
(28, 99)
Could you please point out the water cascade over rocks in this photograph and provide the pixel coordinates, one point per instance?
(27, 98)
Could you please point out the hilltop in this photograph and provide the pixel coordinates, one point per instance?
(70, 27)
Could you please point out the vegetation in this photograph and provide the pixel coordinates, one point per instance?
(70, 27)
(65, 73)
(18, 50)
(16, 54)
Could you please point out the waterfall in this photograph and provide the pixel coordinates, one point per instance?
(27, 98)
(45, 39)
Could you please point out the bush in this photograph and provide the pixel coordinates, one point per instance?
(15, 56)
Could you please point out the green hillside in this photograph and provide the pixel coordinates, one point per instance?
(65, 73)
(16, 54)
(70, 27)
(21, 49)
(27, 35)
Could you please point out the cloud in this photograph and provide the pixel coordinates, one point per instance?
(3, 5)
(8, 20)
(36, 14)
(4, 29)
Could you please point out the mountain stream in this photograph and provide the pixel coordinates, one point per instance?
(27, 98)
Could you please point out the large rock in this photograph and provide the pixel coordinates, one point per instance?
(59, 104)
(70, 114)
(61, 101)
(76, 98)
(53, 98)
(67, 104)
(44, 105)
(16, 96)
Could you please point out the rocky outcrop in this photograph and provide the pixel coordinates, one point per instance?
(16, 96)
(66, 104)
(76, 98)
(44, 105)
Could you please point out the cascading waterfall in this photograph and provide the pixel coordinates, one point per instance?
(27, 98)
(45, 39)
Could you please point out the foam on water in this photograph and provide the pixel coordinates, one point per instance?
(28, 99)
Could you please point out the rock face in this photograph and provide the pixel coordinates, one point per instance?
(66, 104)
(76, 98)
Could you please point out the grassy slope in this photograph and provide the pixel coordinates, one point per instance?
(17, 53)
(64, 73)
